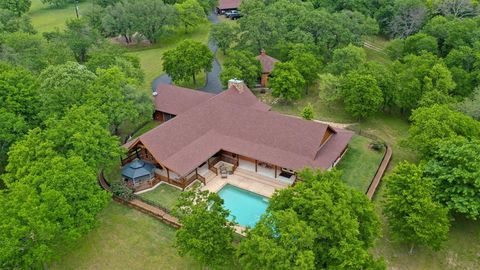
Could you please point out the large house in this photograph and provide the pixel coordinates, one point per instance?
(202, 132)
(267, 63)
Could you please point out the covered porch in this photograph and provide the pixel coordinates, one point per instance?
(221, 165)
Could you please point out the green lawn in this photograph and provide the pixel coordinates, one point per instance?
(374, 54)
(150, 125)
(46, 19)
(125, 239)
(360, 163)
(164, 195)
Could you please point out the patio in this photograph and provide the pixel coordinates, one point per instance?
(256, 184)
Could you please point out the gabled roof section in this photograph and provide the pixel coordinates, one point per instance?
(175, 100)
(266, 61)
(229, 4)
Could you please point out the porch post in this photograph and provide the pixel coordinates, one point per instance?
(256, 165)
(168, 175)
(208, 163)
(196, 172)
(275, 171)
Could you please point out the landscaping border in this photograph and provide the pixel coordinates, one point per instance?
(387, 157)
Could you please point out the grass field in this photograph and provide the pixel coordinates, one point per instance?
(360, 163)
(125, 239)
(375, 49)
(165, 195)
(46, 19)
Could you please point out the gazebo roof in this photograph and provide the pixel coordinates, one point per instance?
(137, 168)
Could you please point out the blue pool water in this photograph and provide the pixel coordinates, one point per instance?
(245, 206)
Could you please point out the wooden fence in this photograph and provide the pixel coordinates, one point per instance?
(380, 172)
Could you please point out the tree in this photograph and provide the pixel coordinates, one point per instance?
(347, 59)
(461, 62)
(119, 98)
(228, 73)
(63, 86)
(190, 13)
(455, 170)
(411, 72)
(241, 65)
(414, 216)
(186, 60)
(110, 57)
(308, 112)
(258, 31)
(206, 234)
(151, 17)
(18, 92)
(286, 82)
(119, 20)
(457, 8)
(471, 106)
(32, 51)
(82, 132)
(434, 124)
(362, 96)
(10, 22)
(224, 35)
(280, 240)
(12, 127)
(386, 81)
(452, 33)
(18, 7)
(407, 18)
(420, 42)
(343, 220)
(54, 205)
(80, 37)
(308, 65)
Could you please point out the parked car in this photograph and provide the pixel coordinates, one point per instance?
(235, 15)
(228, 13)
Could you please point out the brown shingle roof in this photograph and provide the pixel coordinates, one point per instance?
(175, 100)
(229, 4)
(235, 122)
(267, 62)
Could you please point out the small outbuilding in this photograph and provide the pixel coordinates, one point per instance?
(267, 63)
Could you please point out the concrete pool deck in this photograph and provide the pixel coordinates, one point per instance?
(259, 186)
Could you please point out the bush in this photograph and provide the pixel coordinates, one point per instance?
(377, 146)
(122, 191)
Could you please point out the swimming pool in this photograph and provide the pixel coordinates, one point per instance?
(245, 206)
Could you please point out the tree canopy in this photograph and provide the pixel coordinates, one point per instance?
(434, 124)
(414, 215)
(241, 65)
(362, 96)
(286, 82)
(206, 233)
(343, 221)
(187, 60)
(454, 169)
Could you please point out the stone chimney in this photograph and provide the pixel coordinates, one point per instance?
(263, 52)
(238, 84)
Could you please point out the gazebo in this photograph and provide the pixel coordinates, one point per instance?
(138, 171)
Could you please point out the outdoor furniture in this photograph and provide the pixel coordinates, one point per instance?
(223, 172)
